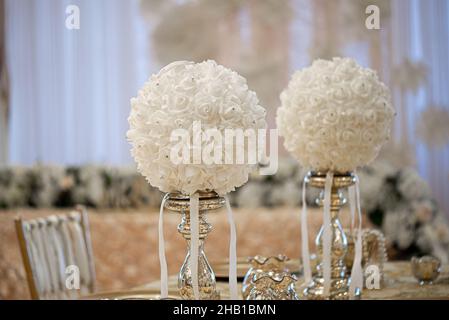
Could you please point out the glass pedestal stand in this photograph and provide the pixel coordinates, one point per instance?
(340, 280)
(206, 278)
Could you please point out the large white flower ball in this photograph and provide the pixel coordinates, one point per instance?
(180, 94)
(335, 115)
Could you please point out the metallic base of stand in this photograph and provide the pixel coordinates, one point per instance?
(339, 290)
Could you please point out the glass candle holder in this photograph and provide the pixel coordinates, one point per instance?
(374, 250)
(426, 269)
(273, 286)
(261, 264)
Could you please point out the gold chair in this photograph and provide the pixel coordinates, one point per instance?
(52, 244)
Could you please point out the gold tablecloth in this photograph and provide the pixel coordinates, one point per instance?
(398, 284)
(130, 257)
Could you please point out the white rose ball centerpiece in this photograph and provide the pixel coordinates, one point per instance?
(193, 98)
(335, 116)
(179, 95)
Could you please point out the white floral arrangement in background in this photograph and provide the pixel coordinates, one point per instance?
(335, 115)
(400, 202)
(56, 186)
(397, 200)
(181, 93)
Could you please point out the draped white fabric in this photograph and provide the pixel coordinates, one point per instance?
(427, 27)
(70, 89)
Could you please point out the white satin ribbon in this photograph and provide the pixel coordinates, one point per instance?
(162, 258)
(305, 238)
(357, 271)
(233, 289)
(327, 233)
(194, 243)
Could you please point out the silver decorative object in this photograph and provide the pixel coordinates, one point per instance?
(206, 277)
(374, 250)
(340, 279)
(273, 286)
(261, 264)
(426, 269)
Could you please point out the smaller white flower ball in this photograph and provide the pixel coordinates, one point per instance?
(335, 115)
(181, 94)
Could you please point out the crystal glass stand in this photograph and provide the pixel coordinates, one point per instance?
(208, 200)
(340, 280)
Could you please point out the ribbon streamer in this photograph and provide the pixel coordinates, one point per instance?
(327, 233)
(357, 271)
(305, 238)
(162, 258)
(233, 289)
(194, 243)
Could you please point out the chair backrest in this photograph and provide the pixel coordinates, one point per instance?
(52, 244)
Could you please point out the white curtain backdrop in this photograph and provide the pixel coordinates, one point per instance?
(70, 89)
(421, 33)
